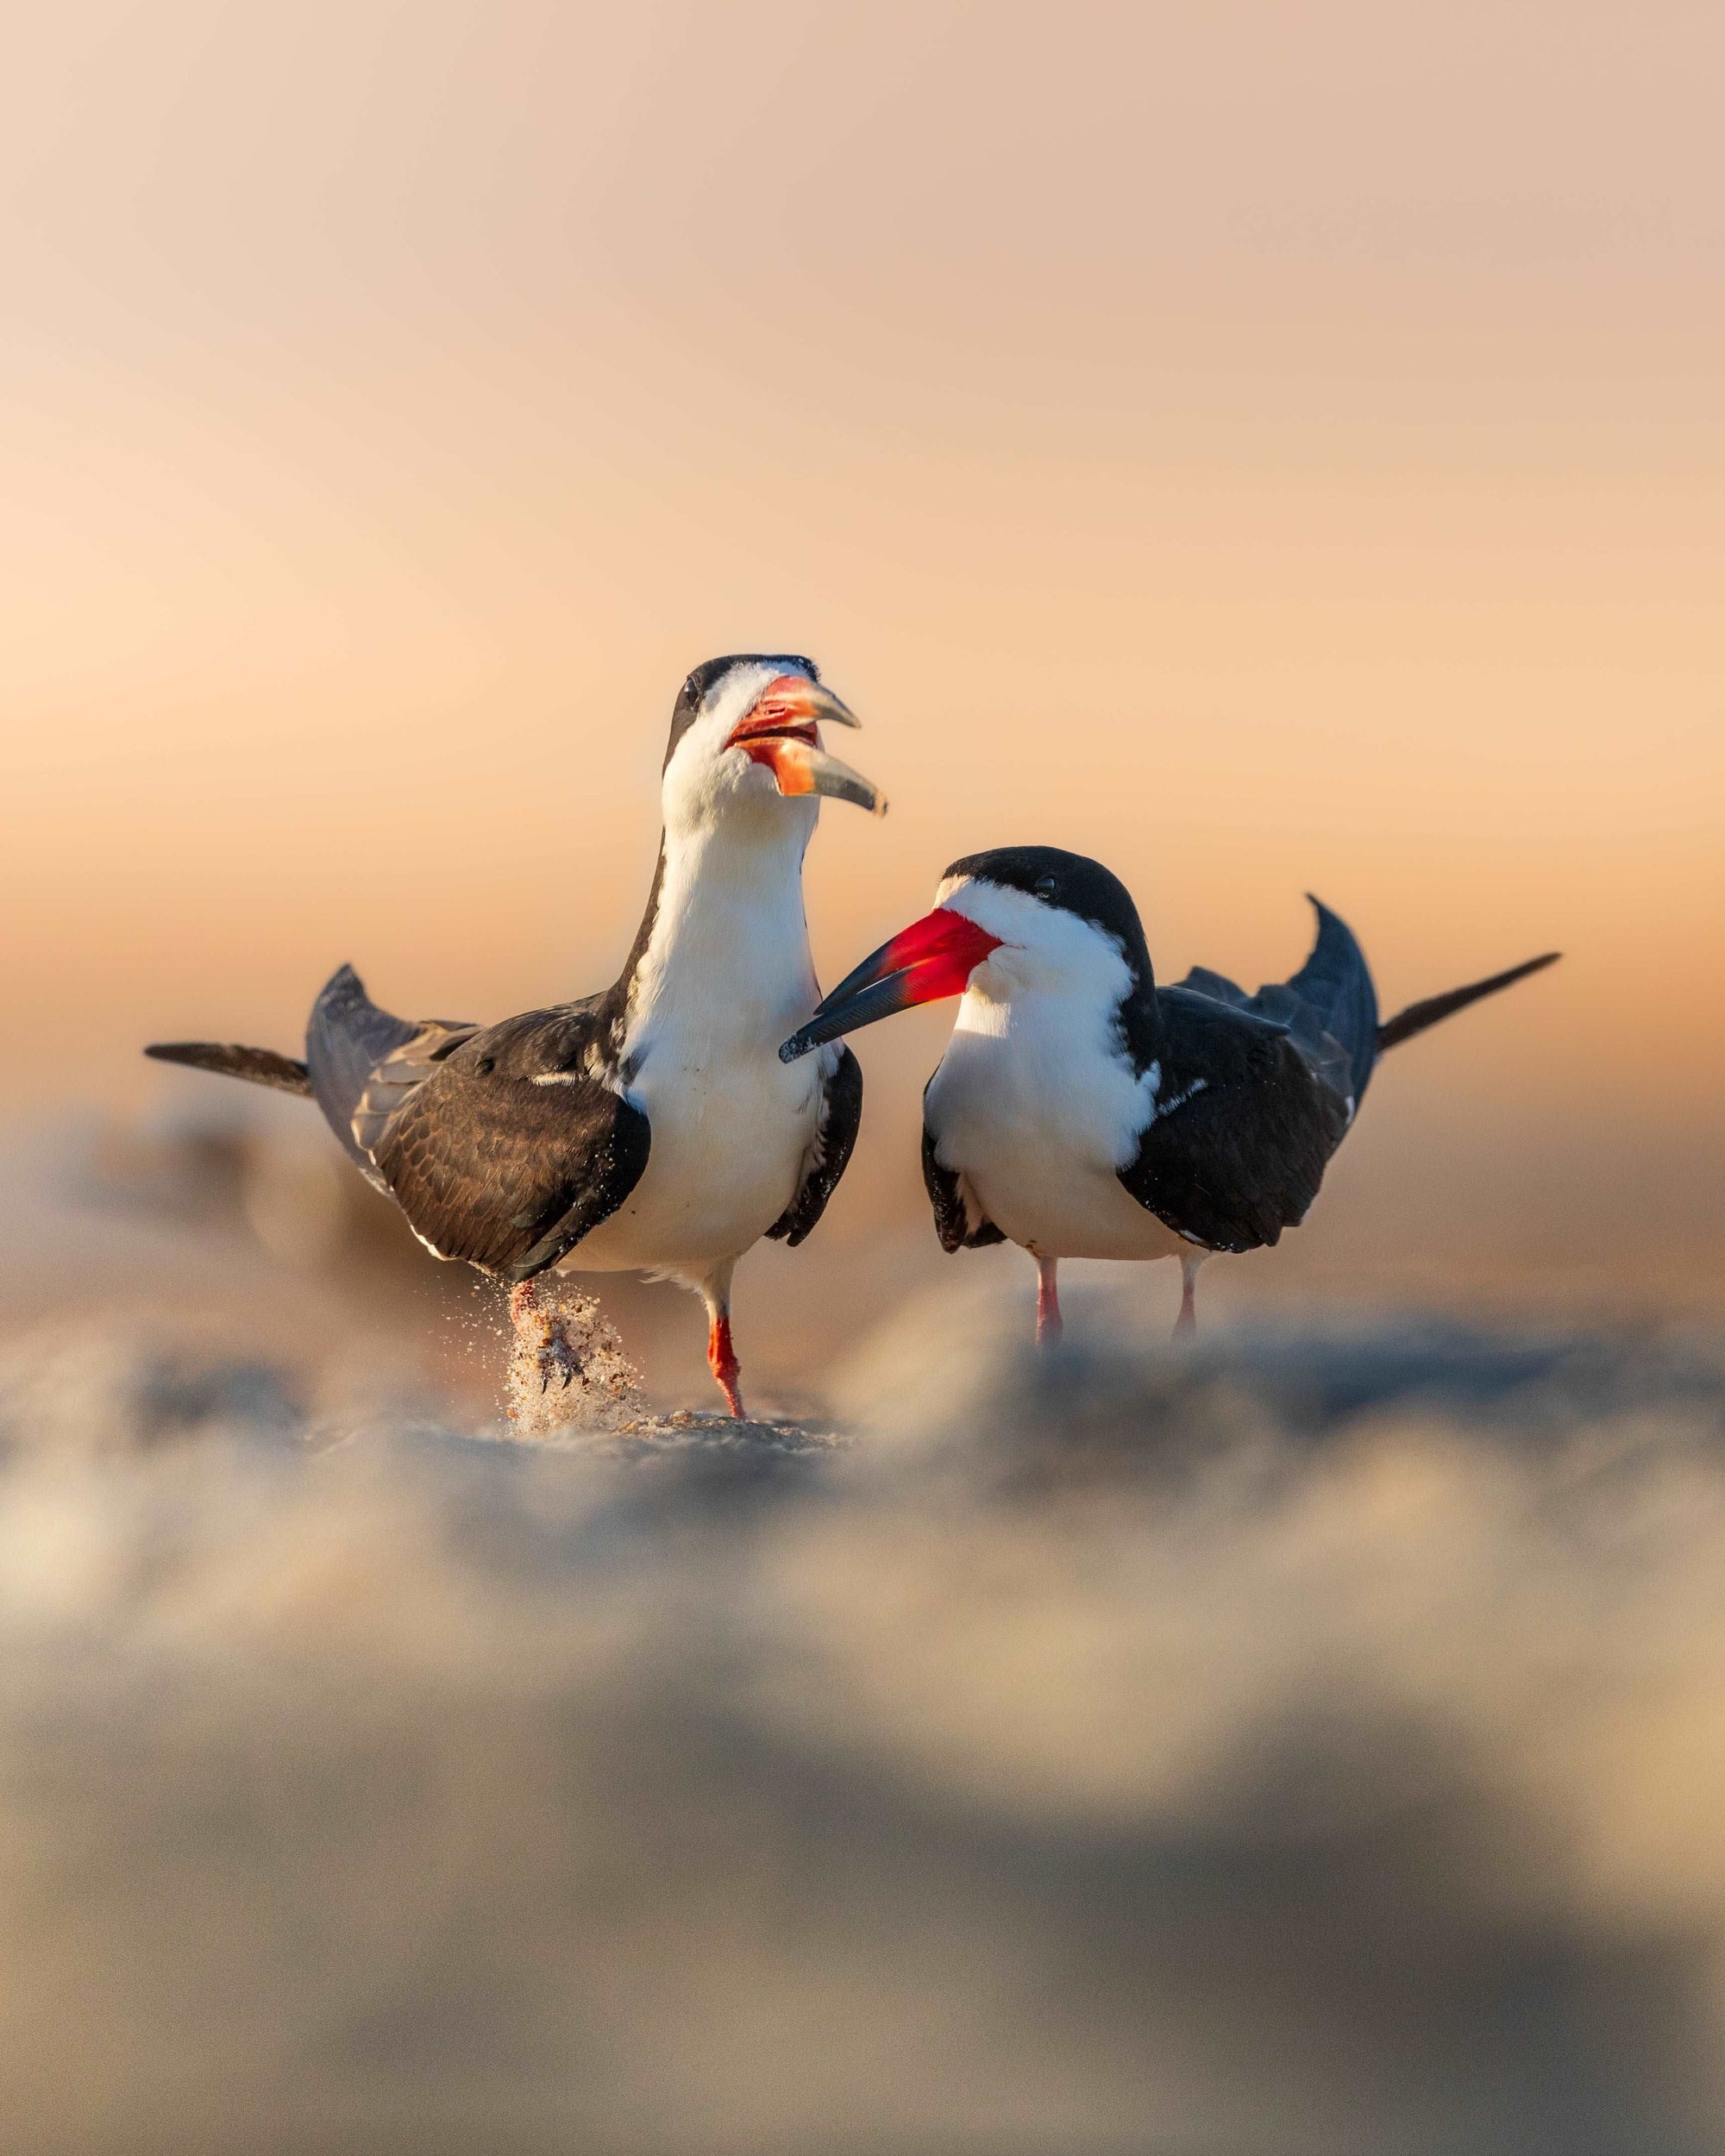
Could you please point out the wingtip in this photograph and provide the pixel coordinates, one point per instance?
(1433, 1009)
(227, 1059)
(343, 987)
(1530, 966)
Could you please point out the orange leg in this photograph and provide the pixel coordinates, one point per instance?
(721, 1360)
(1049, 1324)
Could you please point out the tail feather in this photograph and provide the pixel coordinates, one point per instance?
(258, 1066)
(1418, 1015)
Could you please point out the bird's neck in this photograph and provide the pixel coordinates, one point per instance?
(722, 950)
(1105, 1009)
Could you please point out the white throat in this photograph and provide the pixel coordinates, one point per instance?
(1038, 1037)
(727, 969)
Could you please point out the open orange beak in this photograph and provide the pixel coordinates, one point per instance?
(779, 731)
(931, 958)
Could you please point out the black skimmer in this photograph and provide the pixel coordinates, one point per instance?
(1080, 1111)
(653, 1127)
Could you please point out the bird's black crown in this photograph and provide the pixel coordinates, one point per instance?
(1071, 881)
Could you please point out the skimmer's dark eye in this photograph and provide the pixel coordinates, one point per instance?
(1045, 886)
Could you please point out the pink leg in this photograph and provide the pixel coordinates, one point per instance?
(1187, 1322)
(1049, 1324)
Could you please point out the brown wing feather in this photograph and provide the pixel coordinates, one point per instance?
(401, 1073)
(513, 1146)
(260, 1066)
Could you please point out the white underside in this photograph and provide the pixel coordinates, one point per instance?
(727, 976)
(1036, 1109)
(729, 1137)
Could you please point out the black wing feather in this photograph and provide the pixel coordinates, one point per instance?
(1335, 984)
(1328, 1009)
(1418, 1015)
(1239, 1148)
(841, 1117)
(507, 1173)
(952, 1221)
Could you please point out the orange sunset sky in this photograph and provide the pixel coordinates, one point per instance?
(1272, 448)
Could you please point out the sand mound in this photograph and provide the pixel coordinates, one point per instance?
(1311, 1743)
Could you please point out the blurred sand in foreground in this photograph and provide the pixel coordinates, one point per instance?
(1313, 1743)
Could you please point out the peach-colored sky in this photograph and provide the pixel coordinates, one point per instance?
(1271, 448)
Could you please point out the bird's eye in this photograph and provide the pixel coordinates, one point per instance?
(1044, 887)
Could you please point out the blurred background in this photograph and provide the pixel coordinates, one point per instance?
(1273, 449)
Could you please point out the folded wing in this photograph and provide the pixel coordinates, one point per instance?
(503, 1144)
(514, 1145)
(1254, 1094)
(1243, 1131)
(827, 1158)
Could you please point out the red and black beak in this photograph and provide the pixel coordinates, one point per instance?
(778, 731)
(931, 958)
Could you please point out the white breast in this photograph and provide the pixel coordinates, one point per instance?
(1037, 1107)
(728, 1143)
(726, 976)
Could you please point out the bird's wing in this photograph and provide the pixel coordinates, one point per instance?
(1328, 1009)
(347, 1038)
(511, 1143)
(1243, 1127)
(258, 1066)
(1430, 1011)
(959, 1219)
(829, 1155)
(390, 1081)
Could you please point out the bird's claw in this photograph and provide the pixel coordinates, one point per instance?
(545, 1348)
(558, 1358)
